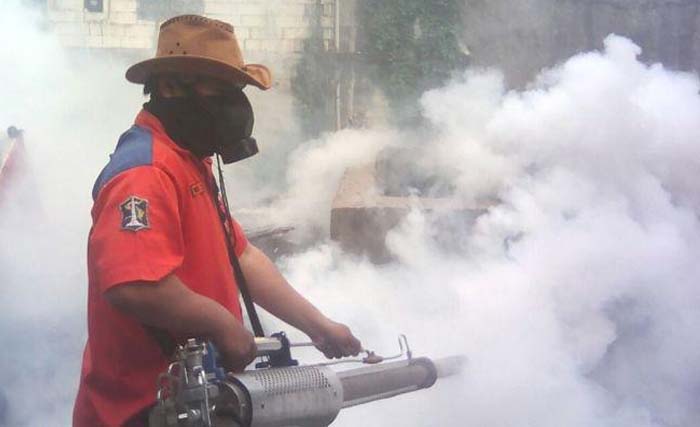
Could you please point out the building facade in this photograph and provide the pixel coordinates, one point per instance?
(280, 33)
(262, 26)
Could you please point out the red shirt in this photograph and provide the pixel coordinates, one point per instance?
(153, 215)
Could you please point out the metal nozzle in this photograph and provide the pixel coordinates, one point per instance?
(386, 380)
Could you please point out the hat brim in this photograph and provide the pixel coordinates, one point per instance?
(253, 74)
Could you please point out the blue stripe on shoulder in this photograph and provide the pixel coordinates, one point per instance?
(135, 148)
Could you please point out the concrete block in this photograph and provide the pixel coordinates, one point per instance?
(292, 45)
(328, 9)
(291, 9)
(71, 40)
(253, 20)
(309, 10)
(123, 18)
(95, 29)
(248, 8)
(136, 43)
(218, 8)
(271, 45)
(242, 33)
(234, 20)
(94, 41)
(94, 17)
(253, 45)
(260, 33)
(142, 30)
(292, 21)
(65, 15)
(75, 5)
(123, 5)
(363, 230)
(71, 28)
(111, 41)
(114, 30)
(361, 217)
(296, 33)
(328, 34)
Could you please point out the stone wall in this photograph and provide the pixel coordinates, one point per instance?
(272, 31)
(519, 36)
(523, 36)
(117, 26)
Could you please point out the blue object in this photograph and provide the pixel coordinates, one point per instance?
(281, 358)
(134, 149)
(211, 362)
(94, 6)
(4, 409)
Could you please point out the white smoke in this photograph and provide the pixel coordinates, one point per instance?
(73, 105)
(70, 117)
(315, 169)
(574, 296)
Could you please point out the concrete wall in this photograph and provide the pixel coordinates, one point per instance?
(523, 36)
(361, 216)
(117, 27)
(277, 26)
(272, 31)
(519, 36)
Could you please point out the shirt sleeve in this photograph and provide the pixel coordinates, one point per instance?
(136, 233)
(240, 241)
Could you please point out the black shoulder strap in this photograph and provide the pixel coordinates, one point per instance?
(165, 341)
(225, 215)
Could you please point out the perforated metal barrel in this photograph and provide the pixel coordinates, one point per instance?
(309, 396)
(386, 380)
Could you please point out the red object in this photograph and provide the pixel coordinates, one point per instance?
(177, 230)
(11, 166)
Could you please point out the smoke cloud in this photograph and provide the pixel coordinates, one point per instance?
(71, 117)
(573, 296)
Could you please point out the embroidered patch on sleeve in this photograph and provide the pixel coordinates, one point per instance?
(134, 212)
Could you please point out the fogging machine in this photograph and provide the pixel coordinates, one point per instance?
(196, 392)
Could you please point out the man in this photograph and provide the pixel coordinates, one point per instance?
(161, 247)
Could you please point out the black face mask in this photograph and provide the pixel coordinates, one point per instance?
(206, 125)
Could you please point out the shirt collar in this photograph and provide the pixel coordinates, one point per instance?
(147, 120)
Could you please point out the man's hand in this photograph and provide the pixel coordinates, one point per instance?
(336, 340)
(276, 295)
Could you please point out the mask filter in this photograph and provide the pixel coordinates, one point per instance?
(238, 150)
(235, 121)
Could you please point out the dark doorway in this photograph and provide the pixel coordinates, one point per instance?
(95, 6)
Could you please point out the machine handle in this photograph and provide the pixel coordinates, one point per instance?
(274, 350)
(267, 345)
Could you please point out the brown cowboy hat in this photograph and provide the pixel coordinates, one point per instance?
(195, 45)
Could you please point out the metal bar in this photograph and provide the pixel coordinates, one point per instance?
(266, 346)
(338, 73)
(336, 8)
(302, 344)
